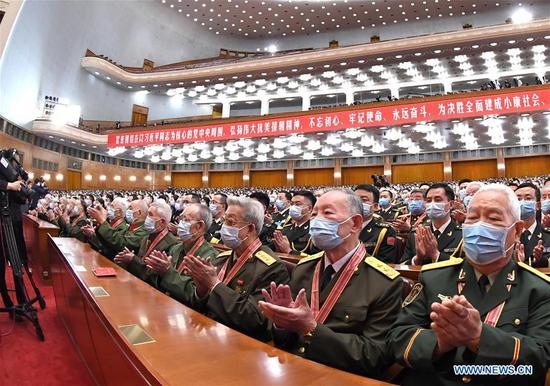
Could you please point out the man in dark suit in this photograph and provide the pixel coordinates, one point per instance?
(341, 301)
(442, 238)
(535, 238)
(488, 309)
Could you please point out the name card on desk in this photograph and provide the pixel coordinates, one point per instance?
(136, 335)
(99, 292)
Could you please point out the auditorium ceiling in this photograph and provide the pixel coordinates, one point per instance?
(272, 19)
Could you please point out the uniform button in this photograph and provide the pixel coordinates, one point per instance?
(466, 379)
(346, 317)
(517, 322)
(302, 350)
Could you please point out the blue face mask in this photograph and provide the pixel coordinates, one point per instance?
(384, 202)
(366, 209)
(485, 243)
(129, 215)
(280, 205)
(324, 233)
(295, 212)
(184, 230)
(230, 236)
(528, 209)
(150, 225)
(110, 214)
(462, 194)
(467, 200)
(213, 208)
(545, 206)
(436, 210)
(415, 207)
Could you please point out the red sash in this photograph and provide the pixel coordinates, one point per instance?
(240, 262)
(155, 242)
(192, 251)
(76, 220)
(117, 223)
(492, 317)
(133, 227)
(321, 314)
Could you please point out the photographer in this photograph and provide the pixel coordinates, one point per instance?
(11, 198)
(40, 191)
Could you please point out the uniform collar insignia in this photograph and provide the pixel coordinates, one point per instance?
(512, 276)
(450, 233)
(462, 274)
(540, 235)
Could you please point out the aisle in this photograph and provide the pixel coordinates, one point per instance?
(26, 361)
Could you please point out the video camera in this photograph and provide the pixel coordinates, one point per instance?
(11, 170)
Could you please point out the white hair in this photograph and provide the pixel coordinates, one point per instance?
(120, 201)
(163, 210)
(142, 205)
(475, 183)
(253, 211)
(513, 203)
(203, 214)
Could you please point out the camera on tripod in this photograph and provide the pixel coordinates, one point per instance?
(11, 170)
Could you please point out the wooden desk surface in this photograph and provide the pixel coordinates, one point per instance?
(189, 347)
(41, 223)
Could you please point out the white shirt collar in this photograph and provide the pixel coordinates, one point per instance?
(365, 223)
(341, 262)
(443, 227)
(491, 276)
(531, 229)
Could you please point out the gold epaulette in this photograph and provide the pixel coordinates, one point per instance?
(225, 253)
(214, 240)
(441, 264)
(534, 271)
(376, 216)
(312, 257)
(265, 257)
(383, 224)
(381, 267)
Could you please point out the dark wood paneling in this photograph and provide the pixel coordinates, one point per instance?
(267, 178)
(226, 179)
(475, 170)
(313, 177)
(187, 180)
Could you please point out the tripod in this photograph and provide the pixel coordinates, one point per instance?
(24, 307)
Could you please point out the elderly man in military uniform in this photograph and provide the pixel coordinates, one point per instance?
(110, 224)
(293, 237)
(379, 238)
(228, 287)
(487, 309)
(340, 302)
(71, 221)
(535, 238)
(170, 278)
(440, 240)
(158, 239)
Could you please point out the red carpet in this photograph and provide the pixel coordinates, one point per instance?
(26, 361)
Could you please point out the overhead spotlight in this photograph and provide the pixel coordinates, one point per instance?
(521, 16)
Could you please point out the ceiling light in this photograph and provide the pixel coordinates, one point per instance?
(521, 16)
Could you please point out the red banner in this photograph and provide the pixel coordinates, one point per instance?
(504, 103)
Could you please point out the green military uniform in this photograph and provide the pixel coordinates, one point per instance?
(178, 285)
(73, 228)
(530, 242)
(520, 336)
(213, 233)
(352, 336)
(449, 243)
(281, 217)
(97, 242)
(299, 238)
(236, 304)
(388, 214)
(266, 235)
(379, 239)
(114, 240)
(137, 265)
